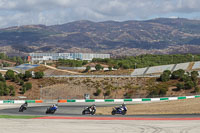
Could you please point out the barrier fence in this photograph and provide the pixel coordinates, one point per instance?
(20, 101)
(102, 100)
(127, 100)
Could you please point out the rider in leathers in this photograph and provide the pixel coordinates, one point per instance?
(92, 108)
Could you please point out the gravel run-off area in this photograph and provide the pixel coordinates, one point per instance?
(185, 106)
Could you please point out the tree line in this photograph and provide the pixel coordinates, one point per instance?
(17, 59)
(6, 90)
(71, 63)
(147, 60)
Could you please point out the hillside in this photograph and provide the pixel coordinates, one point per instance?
(156, 36)
(98, 88)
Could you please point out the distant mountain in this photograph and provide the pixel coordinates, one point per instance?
(156, 36)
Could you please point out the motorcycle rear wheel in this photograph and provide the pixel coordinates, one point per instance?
(124, 112)
(113, 113)
(21, 109)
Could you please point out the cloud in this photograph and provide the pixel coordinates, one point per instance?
(51, 12)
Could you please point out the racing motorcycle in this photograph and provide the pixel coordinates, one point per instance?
(51, 110)
(89, 110)
(119, 110)
(23, 107)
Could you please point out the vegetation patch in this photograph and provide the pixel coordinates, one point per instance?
(71, 63)
(147, 60)
(18, 117)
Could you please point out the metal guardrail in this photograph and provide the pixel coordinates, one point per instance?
(100, 76)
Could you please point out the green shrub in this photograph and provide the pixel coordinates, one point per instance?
(154, 92)
(1, 92)
(98, 67)
(87, 68)
(39, 75)
(180, 86)
(6, 91)
(107, 93)
(164, 77)
(116, 67)
(21, 82)
(21, 76)
(27, 75)
(189, 85)
(98, 92)
(110, 68)
(197, 89)
(168, 72)
(28, 86)
(194, 75)
(16, 79)
(12, 93)
(185, 78)
(158, 90)
(23, 90)
(125, 66)
(9, 75)
(178, 74)
(11, 88)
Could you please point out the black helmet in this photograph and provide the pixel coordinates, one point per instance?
(26, 102)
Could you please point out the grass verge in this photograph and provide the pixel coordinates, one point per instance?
(18, 117)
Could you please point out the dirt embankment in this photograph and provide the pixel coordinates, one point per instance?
(63, 88)
(97, 88)
(108, 88)
(186, 106)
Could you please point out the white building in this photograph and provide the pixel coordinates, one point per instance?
(71, 56)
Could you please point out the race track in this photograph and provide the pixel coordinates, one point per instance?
(67, 109)
(75, 109)
(88, 125)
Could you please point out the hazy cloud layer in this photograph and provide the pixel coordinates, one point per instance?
(21, 12)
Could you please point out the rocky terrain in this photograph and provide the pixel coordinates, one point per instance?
(156, 36)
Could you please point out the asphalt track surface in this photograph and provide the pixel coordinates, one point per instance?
(75, 110)
(92, 125)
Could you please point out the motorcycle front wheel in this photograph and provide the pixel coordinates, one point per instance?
(124, 112)
(21, 109)
(83, 113)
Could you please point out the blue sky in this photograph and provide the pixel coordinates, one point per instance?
(50, 12)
